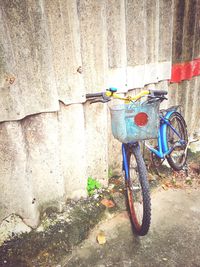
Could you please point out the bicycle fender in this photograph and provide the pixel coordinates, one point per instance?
(163, 132)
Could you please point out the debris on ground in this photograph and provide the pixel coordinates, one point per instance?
(101, 238)
(58, 232)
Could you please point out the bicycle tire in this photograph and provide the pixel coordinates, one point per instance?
(177, 158)
(140, 225)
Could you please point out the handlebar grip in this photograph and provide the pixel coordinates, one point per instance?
(94, 95)
(158, 92)
(112, 89)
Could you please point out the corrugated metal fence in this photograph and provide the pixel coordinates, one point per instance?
(52, 53)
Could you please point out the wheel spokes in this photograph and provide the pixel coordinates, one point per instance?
(178, 149)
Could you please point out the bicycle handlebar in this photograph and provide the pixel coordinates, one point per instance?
(158, 92)
(106, 96)
(94, 95)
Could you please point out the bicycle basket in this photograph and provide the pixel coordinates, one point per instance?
(135, 122)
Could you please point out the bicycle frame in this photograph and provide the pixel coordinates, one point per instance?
(163, 150)
(125, 163)
(124, 158)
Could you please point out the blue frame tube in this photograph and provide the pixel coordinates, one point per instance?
(158, 152)
(163, 149)
(125, 163)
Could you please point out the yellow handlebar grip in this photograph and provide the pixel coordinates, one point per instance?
(127, 98)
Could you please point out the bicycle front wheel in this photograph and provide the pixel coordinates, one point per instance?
(177, 157)
(138, 193)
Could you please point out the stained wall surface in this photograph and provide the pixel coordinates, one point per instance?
(54, 52)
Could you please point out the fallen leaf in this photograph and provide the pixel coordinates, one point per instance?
(101, 239)
(178, 185)
(111, 186)
(117, 182)
(169, 184)
(173, 181)
(188, 181)
(151, 177)
(164, 187)
(108, 203)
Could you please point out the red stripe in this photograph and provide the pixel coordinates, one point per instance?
(185, 71)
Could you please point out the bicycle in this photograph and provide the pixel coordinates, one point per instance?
(138, 119)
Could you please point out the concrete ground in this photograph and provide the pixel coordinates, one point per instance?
(69, 238)
(173, 240)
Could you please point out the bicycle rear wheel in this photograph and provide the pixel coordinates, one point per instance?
(177, 158)
(138, 193)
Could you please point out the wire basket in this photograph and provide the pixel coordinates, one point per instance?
(135, 122)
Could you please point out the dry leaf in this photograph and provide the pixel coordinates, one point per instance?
(101, 239)
(111, 186)
(151, 177)
(45, 254)
(108, 203)
(178, 185)
(164, 187)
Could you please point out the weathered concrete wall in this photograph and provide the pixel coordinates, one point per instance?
(187, 94)
(186, 47)
(26, 56)
(186, 30)
(51, 54)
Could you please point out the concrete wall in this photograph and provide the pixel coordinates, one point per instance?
(51, 54)
(186, 47)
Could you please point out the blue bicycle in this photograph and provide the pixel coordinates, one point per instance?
(139, 118)
(172, 140)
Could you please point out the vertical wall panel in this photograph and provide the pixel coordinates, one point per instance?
(188, 101)
(194, 109)
(136, 39)
(189, 30)
(152, 38)
(172, 93)
(165, 38)
(63, 23)
(96, 141)
(149, 27)
(73, 150)
(185, 49)
(187, 95)
(136, 42)
(16, 187)
(43, 159)
(165, 30)
(26, 56)
(197, 32)
(93, 25)
(92, 17)
(116, 35)
(178, 22)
